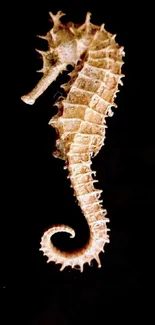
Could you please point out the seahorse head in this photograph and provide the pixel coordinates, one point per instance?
(69, 41)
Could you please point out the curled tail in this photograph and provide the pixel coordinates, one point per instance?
(88, 196)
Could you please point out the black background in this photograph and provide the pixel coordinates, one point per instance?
(36, 190)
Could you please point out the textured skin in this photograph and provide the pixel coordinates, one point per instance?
(80, 121)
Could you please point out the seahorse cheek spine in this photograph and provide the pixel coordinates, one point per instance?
(81, 122)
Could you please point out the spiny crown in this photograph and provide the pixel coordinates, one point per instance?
(67, 42)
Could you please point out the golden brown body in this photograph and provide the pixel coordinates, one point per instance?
(80, 122)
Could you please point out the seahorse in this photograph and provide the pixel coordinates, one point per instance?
(80, 123)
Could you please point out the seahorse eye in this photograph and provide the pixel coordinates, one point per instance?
(52, 58)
